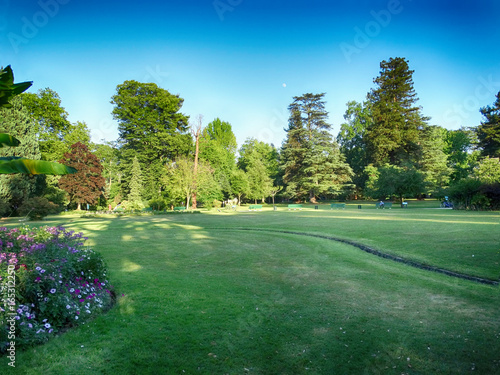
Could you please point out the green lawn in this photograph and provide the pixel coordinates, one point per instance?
(197, 295)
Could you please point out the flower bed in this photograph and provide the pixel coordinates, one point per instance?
(48, 282)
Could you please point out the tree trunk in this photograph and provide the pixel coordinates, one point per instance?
(195, 170)
(78, 206)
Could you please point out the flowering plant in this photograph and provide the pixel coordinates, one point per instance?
(48, 281)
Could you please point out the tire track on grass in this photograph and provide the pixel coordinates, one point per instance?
(378, 253)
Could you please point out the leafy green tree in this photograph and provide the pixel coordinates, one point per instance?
(150, 127)
(351, 140)
(394, 135)
(267, 153)
(311, 162)
(488, 170)
(434, 161)
(458, 148)
(180, 180)
(218, 147)
(109, 156)
(87, 185)
(391, 180)
(239, 184)
(51, 122)
(488, 133)
(135, 195)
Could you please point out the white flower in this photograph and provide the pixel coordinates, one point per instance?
(47, 325)
(76, 317)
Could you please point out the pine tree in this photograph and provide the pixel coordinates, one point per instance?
(393, 136)
(311, 162)
(16, 121)
(135, 195)
(488, 133)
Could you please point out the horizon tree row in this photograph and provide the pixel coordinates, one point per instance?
(385, 149)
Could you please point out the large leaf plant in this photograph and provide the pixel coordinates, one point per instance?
(13, 164)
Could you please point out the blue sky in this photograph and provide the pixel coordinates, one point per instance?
(244, 60)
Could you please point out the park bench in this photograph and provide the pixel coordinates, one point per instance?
(386, 205)
(180, 208)
(294, 207)
(255, 207)
(337, 205)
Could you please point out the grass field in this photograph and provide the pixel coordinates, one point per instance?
(229, 293)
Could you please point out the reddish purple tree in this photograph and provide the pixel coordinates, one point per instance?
(86, 185)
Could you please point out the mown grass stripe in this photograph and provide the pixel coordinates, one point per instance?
(378, 253)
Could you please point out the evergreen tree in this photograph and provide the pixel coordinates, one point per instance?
(135, 195)
(87, 185)
(16, 121)
(311, 162)
(488, 133)
(393, 136)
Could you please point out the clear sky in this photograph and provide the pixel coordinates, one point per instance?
(244, 60)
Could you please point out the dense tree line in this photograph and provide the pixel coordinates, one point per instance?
(386, 149)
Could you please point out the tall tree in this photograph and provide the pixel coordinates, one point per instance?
(393, 136)
(218, 147)
(488, 133)
(51, 122)
(351, 139)
(311, 161)
(151, 127)
(87, 185)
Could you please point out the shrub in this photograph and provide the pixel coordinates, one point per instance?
(37, 208)
(48, 282)
(216, 203)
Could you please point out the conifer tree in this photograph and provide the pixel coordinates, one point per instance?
(393, 136)
(135, 195)
(488, 133)
(311, 162)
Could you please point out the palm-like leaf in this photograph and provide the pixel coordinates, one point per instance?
(9, 89)
(11, 165)
(8, 140)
